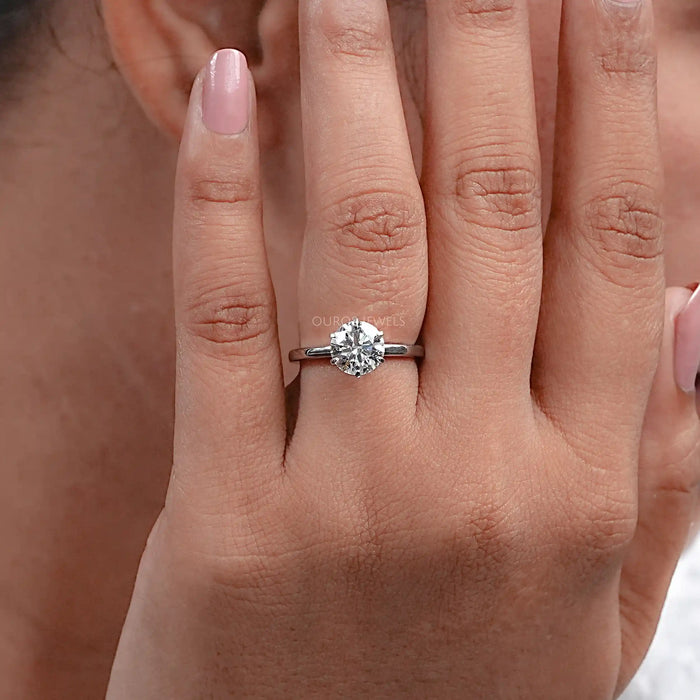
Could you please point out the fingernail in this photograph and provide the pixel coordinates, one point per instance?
(225, 96)
(687, 360)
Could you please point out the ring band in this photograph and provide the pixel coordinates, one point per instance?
(390, 350)
(357, 348)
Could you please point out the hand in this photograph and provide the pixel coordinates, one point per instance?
(469, 526)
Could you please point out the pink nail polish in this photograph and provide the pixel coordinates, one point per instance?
(687, 361)
(225, 96)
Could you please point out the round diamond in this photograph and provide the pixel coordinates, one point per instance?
(357, 348)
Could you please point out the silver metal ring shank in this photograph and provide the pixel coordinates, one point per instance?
(390, 350)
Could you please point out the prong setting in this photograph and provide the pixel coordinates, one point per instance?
(357, 348)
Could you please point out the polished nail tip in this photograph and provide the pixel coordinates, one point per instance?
(696, 294)
(225, 98)
(687, 351)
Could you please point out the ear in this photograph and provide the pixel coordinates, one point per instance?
(161, 45)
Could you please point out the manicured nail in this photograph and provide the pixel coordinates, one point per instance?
(687, 361)
(225, 96)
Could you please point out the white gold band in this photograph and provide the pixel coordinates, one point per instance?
(390, 350)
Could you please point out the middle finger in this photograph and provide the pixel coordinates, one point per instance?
(482, 183)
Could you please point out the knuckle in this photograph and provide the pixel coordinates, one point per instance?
(377, 222)
(678, 470)
(224, 582)
(612, 528)
(356, 44)
(585, 522)
(353, 35)
(481, 14)
(478, 544)
(626, 225)
(213, 193)
(503, 199)
(599, 528)
(637, 64)
(627, 48)
(464, 544)
(489, 533)
(203, 561)
(230, 321)
(362, 552)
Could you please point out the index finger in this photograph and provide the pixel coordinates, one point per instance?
(230, 418)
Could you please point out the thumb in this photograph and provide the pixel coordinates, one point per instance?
(673, 395)
(669, 472)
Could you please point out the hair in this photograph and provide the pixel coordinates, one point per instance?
(16, 16)
(20, 21)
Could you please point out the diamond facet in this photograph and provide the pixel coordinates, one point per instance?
(357, 348)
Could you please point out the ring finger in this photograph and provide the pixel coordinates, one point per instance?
(365, 248)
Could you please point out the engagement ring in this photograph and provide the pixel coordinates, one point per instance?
(357, 348)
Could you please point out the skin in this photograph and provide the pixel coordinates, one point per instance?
(87, 425)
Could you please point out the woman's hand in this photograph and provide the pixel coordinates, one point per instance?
(469, 526)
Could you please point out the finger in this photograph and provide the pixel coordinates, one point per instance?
(669, 473)
(602, 303)
(482, 182)
(230, 415)
(688, 342)
(365, 251)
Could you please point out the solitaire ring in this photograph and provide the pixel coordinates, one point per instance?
(357, 348)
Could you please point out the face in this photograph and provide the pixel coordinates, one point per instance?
(678, 25)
